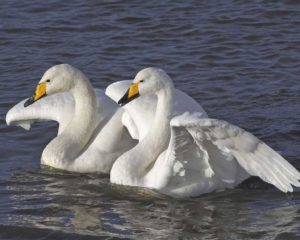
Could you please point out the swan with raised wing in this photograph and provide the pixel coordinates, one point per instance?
(188, 155)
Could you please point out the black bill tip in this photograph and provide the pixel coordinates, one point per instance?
(29, 101)
(125, 99)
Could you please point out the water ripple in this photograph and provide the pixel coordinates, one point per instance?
(239, 59)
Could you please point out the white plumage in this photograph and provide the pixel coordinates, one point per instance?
(89, 138)
(112, 132)
(188, 155)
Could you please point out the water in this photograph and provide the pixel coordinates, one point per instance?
(239, 59)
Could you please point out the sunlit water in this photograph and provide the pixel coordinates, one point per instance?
(239, 59)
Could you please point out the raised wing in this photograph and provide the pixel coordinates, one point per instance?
(58, 107)
(228, 153)
(139, 113)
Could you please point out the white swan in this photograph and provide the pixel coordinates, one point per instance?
(188, 156)
(109, 139)
(91, 134)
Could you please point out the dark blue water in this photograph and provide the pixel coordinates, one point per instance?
(239, 59)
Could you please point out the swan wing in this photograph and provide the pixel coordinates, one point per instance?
(58, 107)
(220, 155)
(139, 113)
(117, 89)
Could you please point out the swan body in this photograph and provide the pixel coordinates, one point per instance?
(90, 135)
(115, 130)
(189, 155)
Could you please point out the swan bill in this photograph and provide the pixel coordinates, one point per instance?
(39, 93)
(131, 93)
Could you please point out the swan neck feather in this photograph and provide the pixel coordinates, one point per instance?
(66, 147)
(132, 166)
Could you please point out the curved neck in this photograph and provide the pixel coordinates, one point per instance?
(83, 123)
(158, 136)
(135, 163)
(68, 145)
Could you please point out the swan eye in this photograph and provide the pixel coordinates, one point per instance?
(141, 81)
(48, 80)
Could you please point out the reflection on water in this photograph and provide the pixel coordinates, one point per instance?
(239, 59)
(89, 206)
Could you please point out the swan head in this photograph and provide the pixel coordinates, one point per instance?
(147, 81)
(59, 78)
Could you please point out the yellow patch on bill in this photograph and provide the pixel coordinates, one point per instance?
(133, 90)
(40, 91)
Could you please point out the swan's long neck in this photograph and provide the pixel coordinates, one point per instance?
(64, 149)
(83, 122)
(158, 137)
(133, 165)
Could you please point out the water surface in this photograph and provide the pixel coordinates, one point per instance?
(239, 59)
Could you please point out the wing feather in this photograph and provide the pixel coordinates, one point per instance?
(58, 107)
(252, 154)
